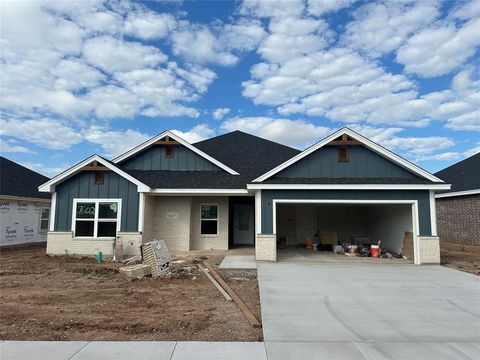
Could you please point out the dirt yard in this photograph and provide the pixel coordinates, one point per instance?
(64, 298)
(461, 257)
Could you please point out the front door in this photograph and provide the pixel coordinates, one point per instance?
(244, 229)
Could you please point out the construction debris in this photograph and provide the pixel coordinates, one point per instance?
(156, 255)
(132, 260)
(243, 307)
(137, 271)
(215, 283)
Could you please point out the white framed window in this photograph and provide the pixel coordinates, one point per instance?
(44, 220)
(209, 219)
(96, 218)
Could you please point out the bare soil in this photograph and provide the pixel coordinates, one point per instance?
(461, 257)
(66, 298)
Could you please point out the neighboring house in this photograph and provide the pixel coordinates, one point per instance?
(458, 210)
(239, 189)
(24, 211)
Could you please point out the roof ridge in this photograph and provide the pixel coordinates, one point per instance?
(457, 163)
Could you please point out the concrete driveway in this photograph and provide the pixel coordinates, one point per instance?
(369, 311)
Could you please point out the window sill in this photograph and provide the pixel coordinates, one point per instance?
(91, 238)
(209, 235)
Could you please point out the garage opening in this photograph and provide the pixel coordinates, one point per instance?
(344, 231)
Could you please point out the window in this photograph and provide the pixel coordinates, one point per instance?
(343, 154)
(169, 151)
(96, 218)
(44, 219)
(208, 219)
(99, 178)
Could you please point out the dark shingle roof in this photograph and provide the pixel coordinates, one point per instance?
(248, 154)
(399, 181)
(176, 179)
(17, 180)
(464, 175)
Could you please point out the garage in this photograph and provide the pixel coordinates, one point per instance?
(350, 224)
(347, 190)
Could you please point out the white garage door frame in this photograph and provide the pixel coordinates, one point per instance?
(413, 203)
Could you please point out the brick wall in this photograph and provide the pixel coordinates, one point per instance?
(266, 247)
(458, 219)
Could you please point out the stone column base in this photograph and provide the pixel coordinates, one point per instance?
(429, 249)
(266, 247)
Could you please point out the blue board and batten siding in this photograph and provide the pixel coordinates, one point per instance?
(362, 163)
(183, 159)
(422, 196)
(82, 186)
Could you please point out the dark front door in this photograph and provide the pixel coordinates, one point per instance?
(244, 224)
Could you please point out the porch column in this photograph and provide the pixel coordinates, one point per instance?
(258, 211)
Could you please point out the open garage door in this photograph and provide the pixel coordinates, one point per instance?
(344, 223)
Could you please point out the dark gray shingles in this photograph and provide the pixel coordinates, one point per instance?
(464, 175)
(17, 180)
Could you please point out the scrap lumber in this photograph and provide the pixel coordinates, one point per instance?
(215, 283)
(132, 260)
(243, 307)
(408, 245)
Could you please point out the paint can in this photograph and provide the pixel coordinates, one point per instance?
(374, 250)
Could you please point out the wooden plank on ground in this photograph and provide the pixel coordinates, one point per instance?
(215, 283)
(243, 307)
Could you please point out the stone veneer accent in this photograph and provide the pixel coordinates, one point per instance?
(266, 247)
(458, 219)
(63, 243)
(429, 249)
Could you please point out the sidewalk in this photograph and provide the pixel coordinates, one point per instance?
(182, 350)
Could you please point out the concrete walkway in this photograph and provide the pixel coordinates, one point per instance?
(363, 311)
(239, 262)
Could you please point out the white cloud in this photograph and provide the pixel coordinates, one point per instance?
(44, 170)
(69, 60)
(111, 55)
(115, 142)
(149, 25)
(48, 133)
(267, 9)
(219, 114)
(219, 44)
(472, 151)
(197, 133)
(320, 7)
(11, 146)
(440, 49)
(382, 27)
(297, 133)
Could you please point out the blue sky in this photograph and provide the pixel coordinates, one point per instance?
(83, 77)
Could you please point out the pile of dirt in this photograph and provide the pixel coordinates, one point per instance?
(67, 298)
(461, 257)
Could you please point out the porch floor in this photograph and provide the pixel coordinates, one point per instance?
(294, 254)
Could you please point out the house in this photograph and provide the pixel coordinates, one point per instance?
(237, 189)
(458, 209)
(24, 211)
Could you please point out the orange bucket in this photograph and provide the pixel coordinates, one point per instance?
(374, 250)
(309, 243)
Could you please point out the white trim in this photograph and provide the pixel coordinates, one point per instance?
(141, 211)
(258, 211)
(433, 214)
(174, 191)
(53, 208)
(49, 186)
(349, 186)
(368, 143)
(413, 203)
(185, 143)
(95, 218)
(458, 193)
(217, 220)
